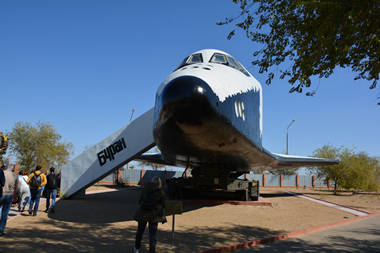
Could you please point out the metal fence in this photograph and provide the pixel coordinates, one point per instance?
(290, 180)
(133, 176)
(306, 181)
(273, 180)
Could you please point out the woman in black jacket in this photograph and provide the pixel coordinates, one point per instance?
(151, 210)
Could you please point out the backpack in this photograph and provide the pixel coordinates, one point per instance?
(35, 182)
(150, 201)
(51, 183)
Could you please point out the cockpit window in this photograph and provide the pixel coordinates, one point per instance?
(232, 62)
(219, 58)
(229, 61)
(194, 58)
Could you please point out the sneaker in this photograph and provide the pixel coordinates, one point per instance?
(30, 212)
(46, 210)
(135, 250)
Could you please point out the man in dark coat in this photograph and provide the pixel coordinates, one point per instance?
(152, 211)
(51, 190)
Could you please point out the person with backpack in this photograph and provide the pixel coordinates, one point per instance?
(10, 187)
(152, 210)
(51, 190)
(36, 181)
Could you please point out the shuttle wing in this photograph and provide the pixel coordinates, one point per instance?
(277, 161)
(291, 161)
(154, 158)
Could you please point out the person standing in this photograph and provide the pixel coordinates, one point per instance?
(36, 181)
(2, 181)
(24, 193)
(9, 188)
(152, 211)
(51, 190)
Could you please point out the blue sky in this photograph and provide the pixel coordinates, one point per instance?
(83, 66)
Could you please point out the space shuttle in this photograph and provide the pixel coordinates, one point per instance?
(208, 116)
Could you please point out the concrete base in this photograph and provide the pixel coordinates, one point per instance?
(260, 202)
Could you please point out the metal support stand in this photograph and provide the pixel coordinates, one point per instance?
(173, 222)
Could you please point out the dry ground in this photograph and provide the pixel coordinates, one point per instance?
(103, 222)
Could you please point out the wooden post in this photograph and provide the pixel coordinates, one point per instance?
(119, 175)
(281, 180)
(313, 182)
(297, 181)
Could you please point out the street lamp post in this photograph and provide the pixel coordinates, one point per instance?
(287, 135)
(284, 171)
(133, 110)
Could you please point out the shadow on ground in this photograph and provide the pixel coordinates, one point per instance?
(102, 238)
(103, 222)
(275, 195)
(107, 207)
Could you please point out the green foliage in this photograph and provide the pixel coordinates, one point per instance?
(284, 171)
(38, 145)
(356, 171)
(315, 36)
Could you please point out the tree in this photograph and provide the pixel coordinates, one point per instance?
(284, 171)
(315, 36)
(356, 171)
(38, 145)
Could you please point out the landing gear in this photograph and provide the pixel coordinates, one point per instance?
(223, 186)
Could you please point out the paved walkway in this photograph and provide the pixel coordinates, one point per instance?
(329, 204)
(358, 236)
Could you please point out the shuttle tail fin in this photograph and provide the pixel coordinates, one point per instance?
(113, 152)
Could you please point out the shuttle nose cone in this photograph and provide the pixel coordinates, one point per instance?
(185, 99)
(184, 87)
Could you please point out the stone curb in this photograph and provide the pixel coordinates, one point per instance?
(356, 209)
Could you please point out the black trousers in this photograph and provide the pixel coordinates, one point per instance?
(152, 235)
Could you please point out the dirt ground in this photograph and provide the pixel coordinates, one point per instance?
(103, 222)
